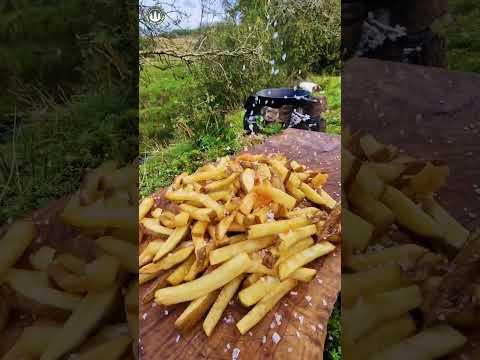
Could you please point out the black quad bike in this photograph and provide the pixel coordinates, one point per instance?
(287, 107)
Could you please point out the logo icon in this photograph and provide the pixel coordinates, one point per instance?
(155, 15)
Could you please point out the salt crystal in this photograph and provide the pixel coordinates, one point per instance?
(177, 339)
(300, 318)
(264, 339)
(235, 353)
(320, 326)
(165, 312)
(297, 333)
(276, 338)
(250, 333)
(228, 346)
(272, 325)
(144, 316)
(313, 327)
(308, 298)
(278, 318)
(324, 302)
(293, 293)
(154, 304)
(289, 349)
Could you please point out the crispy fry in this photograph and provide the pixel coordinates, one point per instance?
(206, 200)
(357, 232)
(303, 274)
(14, 243)
(293, 236)
(79, 325)
(319, 180)
(255, 292)
(205, 284)
(149, 252)
(223, 226)
(216, 174)
(153, 226)
(144, 207)
(225, 253)
(159, 283)
(112, 349)
(42, 258)
(220, 184)
(178, 276)
(101, 273)
(72, 263)
(265, 305)
(220, 304)
(123, 251)
(168, 261)
(295, 248)
(304, 257)
(156, 213)
(173, 240)
(277, 227)
(247, 180)
(247, 203)
(32, 342)
(275, 195)
(195, 311)
(182, 219)
(298, 212)
(315, 197)
(199, 214)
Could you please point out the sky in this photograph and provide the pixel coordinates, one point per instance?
(193, 9)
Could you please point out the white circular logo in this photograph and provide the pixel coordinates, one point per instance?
(155, 15)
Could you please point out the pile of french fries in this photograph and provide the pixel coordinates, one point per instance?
(72, 300)
(243, 227)
(398, 243)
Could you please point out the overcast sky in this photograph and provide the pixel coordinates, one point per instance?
(193, 9)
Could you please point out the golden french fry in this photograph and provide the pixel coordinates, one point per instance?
(255, 292)
(153, 225)
(234, 227)
(298, 194)
(149, 252)
(275, 195)
(368, 180)
(356, 231)
(199, 214)
(72, 263)
(303, 274)
(195, 311)
(315, 197)
(409, 214)
(302, 258)
(65, 280)
(319, 180)
(225, 253)
(293, 236)
(101, 274)
(178, 276)
(220, 304)
(32, 342)
(156, 213)
(42, 258)
(430, 179)
(110, 349)
(173, 240)
(247, 180)
(276, 227)
(307, 212)
(379, 308)
(220, 184)
(27, 284)
(279, 169)
(223, 226)
(182, 219)
(296, 248)
(388, 172)
(214, 174)
(159, 283)
(247, 203)
(168, 261)
(205, 284)
(265, 305)
(14, 243)
(144, 207)
(204, 199)
(125, 252)
(84, 319)
(432, 343)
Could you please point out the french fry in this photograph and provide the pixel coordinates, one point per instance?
(111, 349)
(221, 195)
(295, 248)
(42, 258)
(303, 274)
(308, 212)
(388, 172)
(153, 225)
(293, 236)
(302, 258)
(399, 254)
(15, 241)
(383, 337)
(173, 240)
(65, 280)
(247, 180)
(144, 207)
(178, 276)
(32, 342)
(258, 267)
(195, 311)
(214, 174)
(199, 214)
(101, 273)
(220, 304)
(223, 226)
(149, 252)
(220, 184)
(319, 180)
(156, 213)
(279, 169)
(72, 263)
(247, 203)
(26, 283)
(205, 284)
(368, 180)
(430, 179)
(431, 343)
(357, 232)
(255, 292)
(79, 325)
(123, 251)
(225, 253)
(182, 219)
(265, 305)
(317, 198)
(275, 195)
(168, 261)
(366, 283)
(410, 215)
(277, 227)
(237, 228)
(205, 200)
(379, 308)
(347, 164)
(159, 283)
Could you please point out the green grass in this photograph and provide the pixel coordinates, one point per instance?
(463, 36)
(333, 346)
(331, 85)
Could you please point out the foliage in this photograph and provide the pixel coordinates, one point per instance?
(333, 347)
(332, 89)
(463, 36)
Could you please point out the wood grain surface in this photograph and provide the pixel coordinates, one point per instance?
(430, 113)
(301, 326)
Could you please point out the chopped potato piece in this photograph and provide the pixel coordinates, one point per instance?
(144, 207)
(42, 258)
(276, 227)
(255, 292)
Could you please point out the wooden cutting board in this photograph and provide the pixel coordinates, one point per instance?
(431, 113)
(302, 327)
